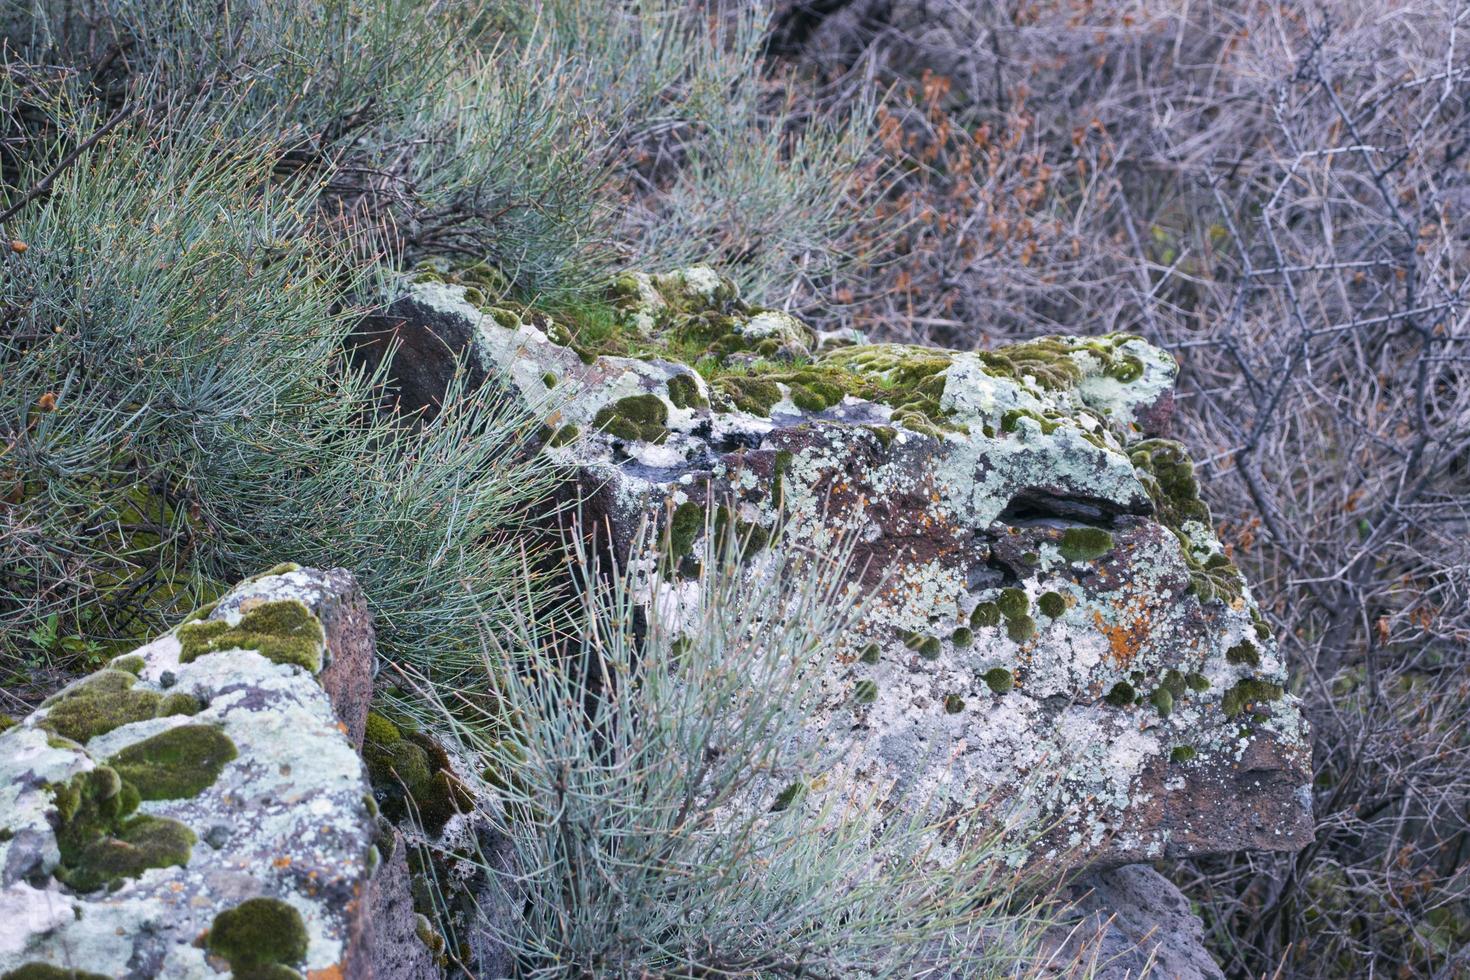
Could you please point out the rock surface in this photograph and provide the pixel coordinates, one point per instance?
(199, 807)
(1053, 626)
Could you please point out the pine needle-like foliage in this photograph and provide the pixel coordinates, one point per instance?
(666, 816)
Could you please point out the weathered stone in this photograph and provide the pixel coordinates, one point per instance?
(1017, 513)
(1127, 923)
(272, 821)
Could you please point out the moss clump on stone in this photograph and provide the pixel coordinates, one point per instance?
(1084, 543)
(637, 418)
(752, 395)
(914, 640)
(564, 435)
(685, 524)
(176, 764)
(788, 796)
(100, 839)
(283, 631)
(1162, 701)
(260, 938)
(684, 392)
(1167, 473)
(750, 538)
(1121, 695)
(1248, 692)
(953, 704)
(7, 723)
(104, 701)
(1198, 683)
(1013, 603)
(1052, 604)
(999, 680)
(870, 653)
(132, 663)
(865, 691)
(46, 971)
(1183, 754)
(1245, 653)
(1019, 629)
(930, 648)
(1174, 683)
(984, 614)
(962, 637)
(411, 772)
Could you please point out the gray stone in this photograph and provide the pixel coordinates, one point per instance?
(288, 817)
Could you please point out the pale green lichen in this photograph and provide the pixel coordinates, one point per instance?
(283, 631)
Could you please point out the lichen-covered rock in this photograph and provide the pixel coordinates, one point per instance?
(1053, 622)
(199, 807)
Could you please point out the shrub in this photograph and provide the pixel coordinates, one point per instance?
(665, 815)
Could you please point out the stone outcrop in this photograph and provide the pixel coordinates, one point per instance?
(1053, 623)
(198, 808)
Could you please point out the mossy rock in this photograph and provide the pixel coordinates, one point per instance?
(985, 614)
(260, 938)
(176, 764)
(1121, 695)
(1013, 603)
(637, 418)
(100, 839)
(1052, 605)
(104, 701)
(283, 631)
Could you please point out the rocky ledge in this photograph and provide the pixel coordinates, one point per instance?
(1054, 626)
(198, 808)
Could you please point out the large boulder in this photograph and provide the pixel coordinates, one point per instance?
(1053, 624)
(198, 808)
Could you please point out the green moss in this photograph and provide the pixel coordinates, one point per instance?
(564, 435)
(685, 525)
(1244, 652)
(101, 842)
(1198, 683)
(1126, 368)
(984, 614)
(1216, 579)
(953, 704)
(440, 798)
(1167, 473)
(283, 631)
(752, 395)
(201, 612)
(380, 730)
(1084, 543)
(1247, 693)
(1182, 754)
(930, 648)
(962, 637)
(1121, 695)
(637, 418)
(1052, 604)
(684, 392)
(999, 680)
(258, 936)
(884, 434)
(865, 691)
(1013, 603)
(870, 653)
(1173, 682)
(549, 379)
(176, 764)
(788, 796)
(104, 701)
(179, 703)
(914, 640)
(1020, 629)
(7, 723)
(751, 538)
(1163, 701)
(45, 971)
(132, 663)
(779, 468)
